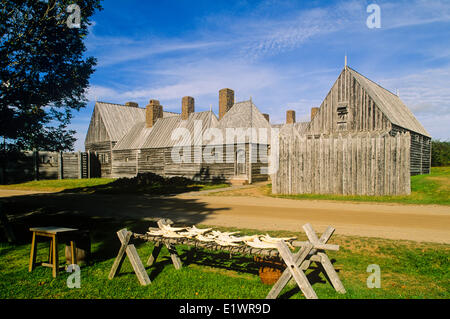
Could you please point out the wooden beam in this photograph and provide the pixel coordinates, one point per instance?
(133, 256)
(299, 276)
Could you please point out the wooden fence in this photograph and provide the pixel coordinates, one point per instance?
(36, 165)
(355, 164)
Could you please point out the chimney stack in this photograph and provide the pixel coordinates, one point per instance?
(267, 117)
(132, 104)
(226, 101)
(187, 107)
(290, 117)
(314, 111)
(153, 112)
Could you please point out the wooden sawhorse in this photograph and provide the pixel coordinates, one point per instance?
(297, 263)
(55, 234)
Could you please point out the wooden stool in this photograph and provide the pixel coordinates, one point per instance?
(55, 233)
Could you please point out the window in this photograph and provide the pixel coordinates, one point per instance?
(148, 158)
(342, 110)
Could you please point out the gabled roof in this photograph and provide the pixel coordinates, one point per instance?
(301, 128)
(119, 119)
(390, 104)
(245, 115)
(160, 135)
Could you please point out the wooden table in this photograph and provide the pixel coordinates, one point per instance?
(56, 234)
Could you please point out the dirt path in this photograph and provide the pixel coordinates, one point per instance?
(15, 192)
(393, 221)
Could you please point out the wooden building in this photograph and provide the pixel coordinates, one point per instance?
(356, 104)
(130, 140)
(109, 123)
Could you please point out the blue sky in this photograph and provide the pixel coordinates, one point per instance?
(284, 54)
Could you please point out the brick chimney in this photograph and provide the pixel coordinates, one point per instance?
(132, 104)
(226, 101)
(314, 111)
(153, 112)
(290, 117)
(187, 107)
(267, 117)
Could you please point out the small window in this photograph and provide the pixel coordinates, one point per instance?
(342, 110)
(126, 159)
(148, 158)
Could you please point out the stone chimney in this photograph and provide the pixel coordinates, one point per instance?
(187, 107)
(153, 112)
(290, 117)
(314, 111)
(132, 104)
(267, 117)
(226, 101)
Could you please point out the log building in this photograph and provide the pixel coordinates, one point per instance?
(129, 140)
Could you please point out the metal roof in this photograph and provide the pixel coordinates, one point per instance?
(301, 128)
(390, 104)
(119, 119)
(245, 115)
(160, 135)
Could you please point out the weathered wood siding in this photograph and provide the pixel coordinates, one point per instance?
(420, 157)
(97, 130)
(362, 114)
(355, 164)
(124, 163)
(103, 153)
(28, 165)
(159, 161)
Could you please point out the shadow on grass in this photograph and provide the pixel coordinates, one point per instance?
(102, 214)
(150, 183)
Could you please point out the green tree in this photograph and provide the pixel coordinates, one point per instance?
(43, 71)
(440, 153)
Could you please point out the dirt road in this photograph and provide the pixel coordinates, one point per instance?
(393, 221)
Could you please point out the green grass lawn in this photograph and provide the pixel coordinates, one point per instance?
(425, 189)
(59, 184)
(408, 270)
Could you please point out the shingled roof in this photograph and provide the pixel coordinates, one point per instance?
(119, 119)
(299, 128)
(160, 135)
(390, 104)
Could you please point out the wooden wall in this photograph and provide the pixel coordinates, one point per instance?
(362, 112)
(420, 157)
(355, 164)
(103, 152)
(124, 163)
(159, 161)
(28, 165)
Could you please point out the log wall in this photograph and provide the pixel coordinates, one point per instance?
(354, 164)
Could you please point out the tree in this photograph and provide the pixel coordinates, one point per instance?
(440, 153)
(43, 72)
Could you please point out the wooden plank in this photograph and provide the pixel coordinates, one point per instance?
(133, 256)
(331, 273)
(55, 256)
(325, 261)
(155, 252)
(124, 239)
(299, 277)
(286, 275)
(174, 256)
(137, 265)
